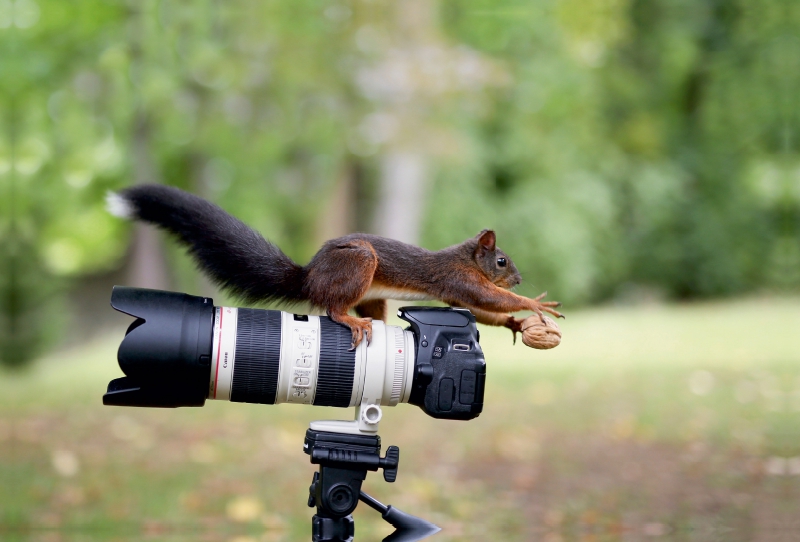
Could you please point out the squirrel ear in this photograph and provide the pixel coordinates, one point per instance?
(487, 240)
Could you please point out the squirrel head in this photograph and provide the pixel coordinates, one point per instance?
(494, 263)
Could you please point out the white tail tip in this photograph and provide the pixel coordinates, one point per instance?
(119, 206)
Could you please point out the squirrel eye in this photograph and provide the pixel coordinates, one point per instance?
(501, 262)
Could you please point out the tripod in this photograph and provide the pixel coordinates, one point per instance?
(344, 460)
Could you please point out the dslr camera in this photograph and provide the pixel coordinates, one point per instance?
(181, 350)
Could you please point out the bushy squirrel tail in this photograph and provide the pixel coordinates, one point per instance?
(234, 255)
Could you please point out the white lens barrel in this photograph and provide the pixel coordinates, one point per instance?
(286, 358)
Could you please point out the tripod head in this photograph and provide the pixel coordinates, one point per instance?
(344, 460)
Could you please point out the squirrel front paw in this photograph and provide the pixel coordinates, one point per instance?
(546, 306)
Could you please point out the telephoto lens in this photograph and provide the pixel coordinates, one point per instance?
(269, 357)
(181, 350)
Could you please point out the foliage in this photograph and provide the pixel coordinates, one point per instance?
(197, 94)
(645, 142)
(612, 143)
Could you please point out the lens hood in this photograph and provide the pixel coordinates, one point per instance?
(166, 350)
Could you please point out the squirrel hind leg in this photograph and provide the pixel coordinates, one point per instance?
(374, 308)
(338, 277)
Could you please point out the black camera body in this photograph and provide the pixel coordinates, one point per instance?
(172, 356)
(450, 371)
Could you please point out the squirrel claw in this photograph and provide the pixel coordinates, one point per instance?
(547, 306)
(550, 304)
(361, 329)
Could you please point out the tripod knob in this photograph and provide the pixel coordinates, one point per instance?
(312, 491)
(390, 463)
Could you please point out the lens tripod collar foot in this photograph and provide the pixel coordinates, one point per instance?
(368, 417)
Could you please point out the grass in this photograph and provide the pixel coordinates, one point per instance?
(658, 422)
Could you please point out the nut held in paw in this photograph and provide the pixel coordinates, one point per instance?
(541, 335)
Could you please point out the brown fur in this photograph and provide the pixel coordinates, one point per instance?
(465, 275)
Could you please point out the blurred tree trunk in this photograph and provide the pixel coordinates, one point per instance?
(201, 183)
(401, 198)
(147, 266)
(338, 217)
(403, 172)
(419, 75)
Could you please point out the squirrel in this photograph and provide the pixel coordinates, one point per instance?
(358, 271)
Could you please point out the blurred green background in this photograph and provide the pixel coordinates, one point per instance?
(639, 159)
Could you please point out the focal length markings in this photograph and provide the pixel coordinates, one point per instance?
(299, 359)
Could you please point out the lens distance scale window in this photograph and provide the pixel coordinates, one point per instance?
(298, 378)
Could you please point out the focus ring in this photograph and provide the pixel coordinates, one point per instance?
(258, 354)
(337, 365)
(399, 367)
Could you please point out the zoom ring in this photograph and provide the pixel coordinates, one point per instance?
(258, 354)
(337, 365)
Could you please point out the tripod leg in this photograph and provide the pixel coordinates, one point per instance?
(408, 528)
(332, 529)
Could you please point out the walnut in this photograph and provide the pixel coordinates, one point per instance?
(540, 335)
